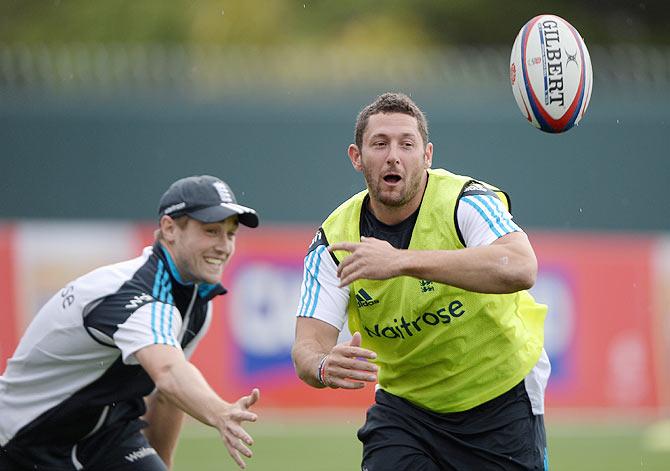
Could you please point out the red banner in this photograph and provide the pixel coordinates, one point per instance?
(600, 322)
(253, 330)
(607, 330)
(8, 332)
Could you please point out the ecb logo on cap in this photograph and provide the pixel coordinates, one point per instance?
(224, 192)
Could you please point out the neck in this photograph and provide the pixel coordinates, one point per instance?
(174, 269)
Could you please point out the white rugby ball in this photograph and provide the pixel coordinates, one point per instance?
(550, 73)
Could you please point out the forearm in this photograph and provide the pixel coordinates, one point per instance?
(491, 269)
(346, 365)
(165, 422)
(187, 389)
(307, 355)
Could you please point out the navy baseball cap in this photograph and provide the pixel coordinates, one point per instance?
(206, 199)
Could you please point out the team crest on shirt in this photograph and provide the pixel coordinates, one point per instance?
(137, 301)
(426, 286)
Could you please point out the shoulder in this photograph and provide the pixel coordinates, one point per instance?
(318, 240)
(444, 186)
(117, 291)
(113, 275)
(318, 250)
(477, 191)
(345, 209)
(474, 187)
(105, 281)
(483, 215)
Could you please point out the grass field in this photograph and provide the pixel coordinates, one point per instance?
(303, 445)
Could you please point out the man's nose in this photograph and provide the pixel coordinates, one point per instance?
(393, 154)
(224, 244)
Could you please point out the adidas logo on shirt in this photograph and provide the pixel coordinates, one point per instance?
(364, 299)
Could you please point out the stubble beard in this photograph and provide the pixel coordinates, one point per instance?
(393, 200)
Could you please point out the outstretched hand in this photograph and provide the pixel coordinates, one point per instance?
(370, 259)
(347, 365)
(236, 439)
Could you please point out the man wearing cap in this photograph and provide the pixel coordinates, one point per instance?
(107, 356)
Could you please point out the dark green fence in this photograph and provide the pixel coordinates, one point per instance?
(87, 152)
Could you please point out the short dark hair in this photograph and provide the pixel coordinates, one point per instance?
(390, 102)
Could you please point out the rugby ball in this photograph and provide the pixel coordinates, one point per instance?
(550, 72)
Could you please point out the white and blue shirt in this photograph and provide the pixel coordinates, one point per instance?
(74, 372)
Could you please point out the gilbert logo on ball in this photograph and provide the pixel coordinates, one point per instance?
(550, 72)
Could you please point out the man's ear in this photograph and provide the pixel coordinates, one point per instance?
(168, 227)
(428, 155)
(355, 157)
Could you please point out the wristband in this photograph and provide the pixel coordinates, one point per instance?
(320, 371)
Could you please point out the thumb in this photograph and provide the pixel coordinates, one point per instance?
(251, 399)
(355, 340)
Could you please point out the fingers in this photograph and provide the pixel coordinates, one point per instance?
(348, 271)
(234, 448)
(338, 383)
(350, 268)
(348, 379)
(357, 266)
(355, 340)
(354, 360)
(251, 399)
(236, 456)
(370, 259)
(236, 440)
(235, 437)
(347, 246)
(352, 349)
(241, 435)
(347, 365)
(244, 416)
(245, 402)
(346, 280)
(350, 368)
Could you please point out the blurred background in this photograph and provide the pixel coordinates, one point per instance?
(103, 104)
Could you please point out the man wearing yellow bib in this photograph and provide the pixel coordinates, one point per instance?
(431, 274)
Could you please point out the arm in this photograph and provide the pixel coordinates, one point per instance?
(183, 385)
(165, 421)
(320, 316)
(346, 365)
(505, 266)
